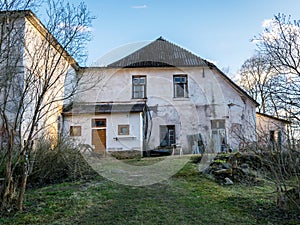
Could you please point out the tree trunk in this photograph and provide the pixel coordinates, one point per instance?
(22, 191)
(8, 190)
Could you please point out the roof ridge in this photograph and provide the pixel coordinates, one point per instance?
(161, 39)
(160, 53)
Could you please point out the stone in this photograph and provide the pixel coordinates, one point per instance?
(226, 165)
(223, 171)
(228, 181)
(244, 166)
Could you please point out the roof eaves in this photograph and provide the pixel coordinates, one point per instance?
(33, 19)
(274, 118)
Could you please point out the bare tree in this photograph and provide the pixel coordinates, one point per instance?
(256, 76)
(38, 75)
(280, 43)
(274, 82)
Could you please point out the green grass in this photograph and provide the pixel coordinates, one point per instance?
(186, 198)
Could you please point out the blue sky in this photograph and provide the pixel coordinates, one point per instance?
(217, 30)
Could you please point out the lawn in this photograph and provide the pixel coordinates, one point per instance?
(186, 198)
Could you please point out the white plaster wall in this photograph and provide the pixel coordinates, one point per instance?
(43, 61)
(11, 62)
(209, 97)
(265, 125)
(124, 142)
(113, 140)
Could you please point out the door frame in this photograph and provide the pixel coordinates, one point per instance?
(99, 128)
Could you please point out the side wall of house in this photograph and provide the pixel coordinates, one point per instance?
(11, 73)
(270, 130)
(42, 64)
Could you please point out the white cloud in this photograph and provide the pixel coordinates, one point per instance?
(139, 6)
(273, 29)
(267, 23)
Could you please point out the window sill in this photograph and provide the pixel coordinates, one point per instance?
(181, 99)
(145, 98)
(124, 137)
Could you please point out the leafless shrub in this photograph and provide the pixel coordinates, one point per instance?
(63, 162)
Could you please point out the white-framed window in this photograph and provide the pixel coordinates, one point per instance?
(139, 86)
(180, 83)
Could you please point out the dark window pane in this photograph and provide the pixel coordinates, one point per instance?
(180, 86)
(98, 122)
(177, 79)
(123, 129)
(75, 131)
(139, 86)
(272, 136)
(167, 135)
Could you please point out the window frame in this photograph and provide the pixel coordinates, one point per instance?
(218, 124)
(182, 84)
(121, 126)
(73, 132)
(137, 94)
(95, 120)
(275, 137)
(163, 136)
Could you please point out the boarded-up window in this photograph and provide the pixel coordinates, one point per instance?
(218, 124)
(219, 135)
(75, 131)
(123, 129)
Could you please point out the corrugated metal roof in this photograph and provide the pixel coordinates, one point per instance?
(160, 53)
(103, 108)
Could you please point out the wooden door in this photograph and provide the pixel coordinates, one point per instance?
(99, 141)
